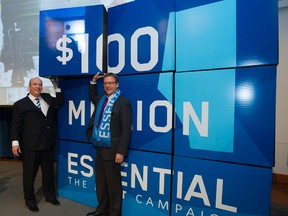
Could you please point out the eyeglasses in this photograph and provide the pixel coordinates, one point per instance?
(108, 83)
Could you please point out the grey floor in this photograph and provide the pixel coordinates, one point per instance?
(12, 201)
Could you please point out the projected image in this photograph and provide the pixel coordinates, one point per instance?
(19, 56)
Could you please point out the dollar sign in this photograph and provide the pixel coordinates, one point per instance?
(67, 53)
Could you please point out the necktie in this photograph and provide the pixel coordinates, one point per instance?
(102, 110)
(38, 103)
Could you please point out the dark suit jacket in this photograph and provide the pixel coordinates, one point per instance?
(31, 127)
(120, 125)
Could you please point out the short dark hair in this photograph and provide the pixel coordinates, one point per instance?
(111, 75)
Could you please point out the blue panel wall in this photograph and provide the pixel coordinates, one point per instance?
(216, 188)
(227, 115)
(76, 111)
(73, 41)
(151, 96)
(205, 35)
(257, 32)
(147, 183)
(144, 181)
(201, 76)
(147, 43)
(152, 110)
(76, 178)
(222, 34)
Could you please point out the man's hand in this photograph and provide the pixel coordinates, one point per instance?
(119, 158)
(54, 81)
(16, 150)
(97, 76)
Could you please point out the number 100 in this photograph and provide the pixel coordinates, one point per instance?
(150, 31)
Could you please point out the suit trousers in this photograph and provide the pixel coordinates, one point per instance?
(32, 160)
(108, 186)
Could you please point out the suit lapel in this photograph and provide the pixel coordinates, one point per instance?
(46, 99)
(31, 104)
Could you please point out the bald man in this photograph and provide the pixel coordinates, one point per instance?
(33, 136)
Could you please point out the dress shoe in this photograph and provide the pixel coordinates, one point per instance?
(54, 202)
(33, 207)
(94, 213)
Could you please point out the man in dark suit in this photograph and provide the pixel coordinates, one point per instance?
(110, 131)
(33, 135)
